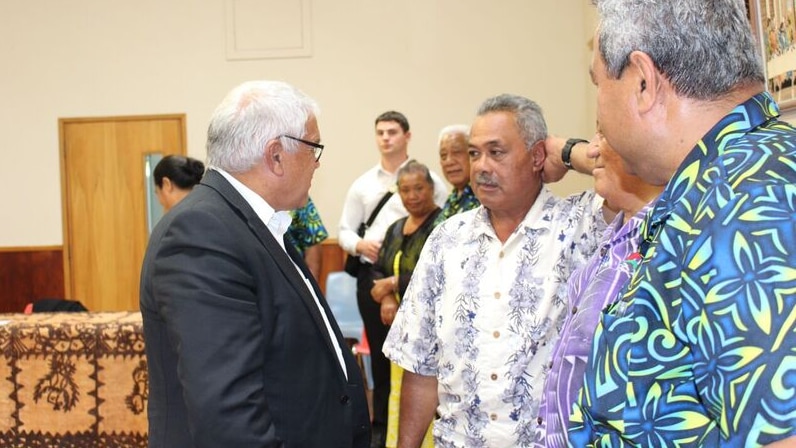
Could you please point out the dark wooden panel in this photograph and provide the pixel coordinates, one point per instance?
(332, 259)
(28, 274)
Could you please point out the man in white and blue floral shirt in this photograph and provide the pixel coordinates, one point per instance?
(478, 320)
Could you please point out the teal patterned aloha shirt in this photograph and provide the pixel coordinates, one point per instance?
(701, 349)
(457, 203)
(306, 229)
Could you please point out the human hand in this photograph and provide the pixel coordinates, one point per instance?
(553, 169)
(381, 287)
(389, 306)
(369, 249)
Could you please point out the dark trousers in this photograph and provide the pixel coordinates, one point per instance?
(376, 332)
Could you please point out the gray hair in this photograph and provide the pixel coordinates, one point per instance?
(415, 167)
(704, 48)
(252, 114)
(453, 129)
(528, 114)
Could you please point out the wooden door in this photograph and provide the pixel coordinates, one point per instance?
(104, 203)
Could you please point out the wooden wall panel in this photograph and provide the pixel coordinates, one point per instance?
(28, 274)
(332, 260)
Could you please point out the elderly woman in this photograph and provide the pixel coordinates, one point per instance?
(397, 259)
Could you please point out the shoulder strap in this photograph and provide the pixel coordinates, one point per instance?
(376, 210)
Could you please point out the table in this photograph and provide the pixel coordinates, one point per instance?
(73, 380)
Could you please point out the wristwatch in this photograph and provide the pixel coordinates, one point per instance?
(566, 151)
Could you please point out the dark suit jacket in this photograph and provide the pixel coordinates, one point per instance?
(238, 353)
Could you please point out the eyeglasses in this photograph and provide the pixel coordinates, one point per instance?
(316, 148)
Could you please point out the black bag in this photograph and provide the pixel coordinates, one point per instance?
(352, 262)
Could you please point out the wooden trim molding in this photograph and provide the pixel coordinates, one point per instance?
(28, 274)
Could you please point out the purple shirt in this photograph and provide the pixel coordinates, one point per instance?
(591, 288)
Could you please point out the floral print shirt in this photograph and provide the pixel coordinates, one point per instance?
(458, 202)
(306, 229)
(480, 316)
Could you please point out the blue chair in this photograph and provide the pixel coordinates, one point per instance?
(341, 295)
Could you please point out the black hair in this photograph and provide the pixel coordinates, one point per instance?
(184, 172)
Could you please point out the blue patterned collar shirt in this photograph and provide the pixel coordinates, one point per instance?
(458, 202)
(481, 316)
(701, 349)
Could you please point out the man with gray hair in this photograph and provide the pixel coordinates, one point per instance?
(455, 162)
(698, 350)
(476, 324)
(242, 349)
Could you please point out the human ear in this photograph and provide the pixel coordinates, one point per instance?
(168, 186)
(538, 154)
(274, 156)
(648, 81)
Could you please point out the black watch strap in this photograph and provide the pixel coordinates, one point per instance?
(566, 151)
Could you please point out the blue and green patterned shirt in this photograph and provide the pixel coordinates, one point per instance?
(457, 203)
(306, 229)
(701, 348)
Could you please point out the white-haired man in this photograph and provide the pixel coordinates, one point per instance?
(242, 349)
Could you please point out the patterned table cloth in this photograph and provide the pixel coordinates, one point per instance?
(73, 380)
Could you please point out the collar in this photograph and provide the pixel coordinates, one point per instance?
(746, 117)
(277, 222)
(538, 216)
(467, 191)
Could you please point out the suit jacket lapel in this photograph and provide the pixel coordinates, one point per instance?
(296, 257)
(216, 181)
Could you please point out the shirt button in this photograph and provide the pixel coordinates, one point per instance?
(494, 377)
(497, 295)
(344, 399)
(574, 309)
(501, 254)
(539, 420)
(496, 334)
(493, 417)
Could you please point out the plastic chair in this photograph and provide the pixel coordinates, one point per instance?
(341, 294)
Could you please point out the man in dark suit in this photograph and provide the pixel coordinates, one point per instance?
(243, 350)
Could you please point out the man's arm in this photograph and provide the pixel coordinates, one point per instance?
(352, 216)
(204, 294)
(737, 281)
(418, 404)
(554, 169)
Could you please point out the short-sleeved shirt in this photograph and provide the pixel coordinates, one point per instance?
(700, 350)
(480, 316)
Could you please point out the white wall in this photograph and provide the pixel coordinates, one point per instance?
(434, 60)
